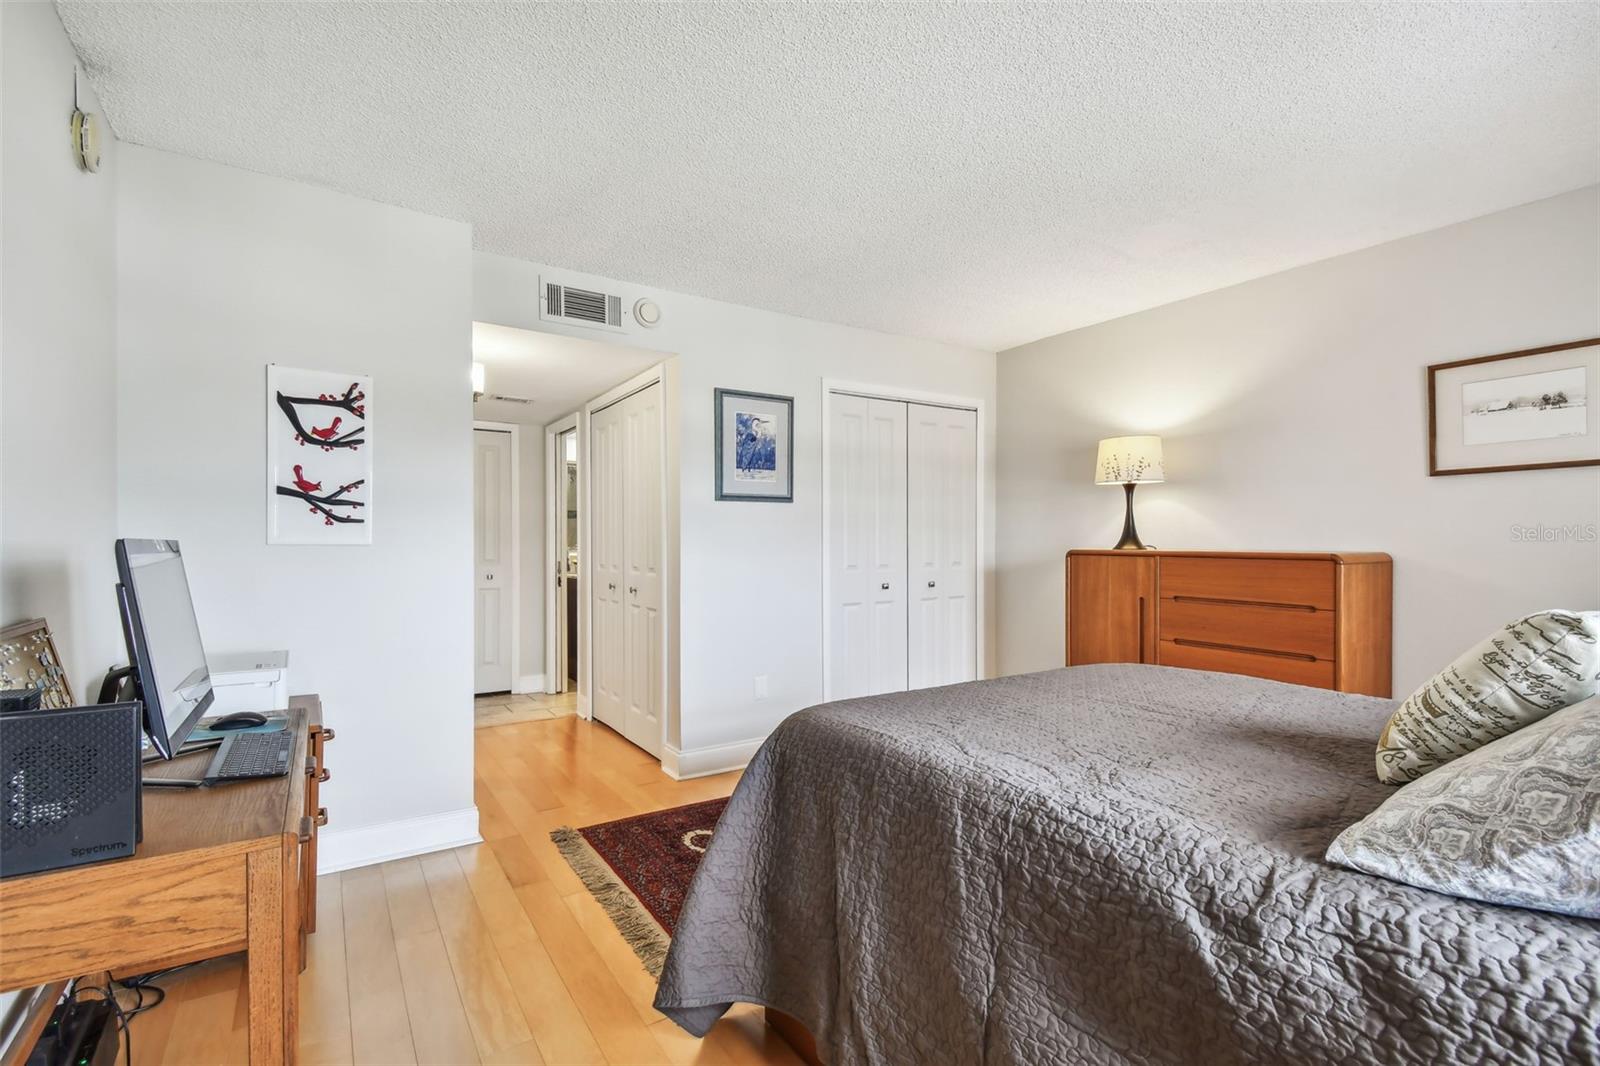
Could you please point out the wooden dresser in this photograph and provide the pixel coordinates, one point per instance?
(1309, 618)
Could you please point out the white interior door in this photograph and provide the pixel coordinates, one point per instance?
(492, 548)
(641, 549)
(607, 501)
(866, 547)
(941, 533)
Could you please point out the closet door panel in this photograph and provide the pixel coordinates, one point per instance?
(606, 565)
(942, 475)
(641, 557)
(867, 547)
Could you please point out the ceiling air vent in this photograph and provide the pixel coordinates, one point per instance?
(503, 398)
(581, 307)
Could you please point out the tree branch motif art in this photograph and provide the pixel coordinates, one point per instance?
(323, 505)
(324, 437)
(327, 413)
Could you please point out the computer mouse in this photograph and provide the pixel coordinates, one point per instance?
(238, 720)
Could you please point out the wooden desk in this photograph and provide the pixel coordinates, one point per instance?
(220, 870)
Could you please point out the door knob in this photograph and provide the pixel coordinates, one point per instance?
(884, 586)
(930, 584)
(632, 591)
(612, 585)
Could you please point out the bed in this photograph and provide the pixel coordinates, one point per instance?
(1112, 863)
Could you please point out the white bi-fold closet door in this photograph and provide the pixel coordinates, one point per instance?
(625, 569)
(902, 545)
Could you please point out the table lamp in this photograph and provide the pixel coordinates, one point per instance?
(1129, 461)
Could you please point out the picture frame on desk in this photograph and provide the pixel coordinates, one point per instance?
(29, 660)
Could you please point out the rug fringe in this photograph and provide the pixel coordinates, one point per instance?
(638, 928)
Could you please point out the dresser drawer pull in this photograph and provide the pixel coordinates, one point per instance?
(1296, 656)
(305, 829)
(322, 816)
(327, 734)
(1141, 625)
(1245, 603)
(325, 774)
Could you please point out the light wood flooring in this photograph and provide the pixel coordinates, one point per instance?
(492, 953)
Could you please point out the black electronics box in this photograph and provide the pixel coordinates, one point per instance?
(69, 786)
(81, 1032)
(19, 699)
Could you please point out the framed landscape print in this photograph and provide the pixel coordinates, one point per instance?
(319, 457)
(755, 446)
(1528, 410)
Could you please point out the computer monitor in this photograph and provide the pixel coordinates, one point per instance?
(164, 650)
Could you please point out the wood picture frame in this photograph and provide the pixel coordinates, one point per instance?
(29, 659)
(1453, 415)
(763, 472)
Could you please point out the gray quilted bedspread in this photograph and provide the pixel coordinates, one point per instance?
(1104, 864)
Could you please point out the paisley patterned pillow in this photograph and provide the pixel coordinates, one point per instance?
(1533, 666)
(1516, 821)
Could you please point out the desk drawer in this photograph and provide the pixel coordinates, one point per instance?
(1302, 582)
(1274, 666)
(116, 915)
(1252, 627)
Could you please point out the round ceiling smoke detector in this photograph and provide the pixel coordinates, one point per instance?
(647, 313)
(86, 140)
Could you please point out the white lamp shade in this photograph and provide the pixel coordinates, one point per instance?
(1129, 461)
(477, 379)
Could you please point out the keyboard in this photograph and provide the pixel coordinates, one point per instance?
(246, 755)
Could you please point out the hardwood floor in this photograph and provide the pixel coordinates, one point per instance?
(492, 953)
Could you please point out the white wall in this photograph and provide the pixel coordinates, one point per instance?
(220, 273)
(57, 355)
(735, 555)
(1295, 417)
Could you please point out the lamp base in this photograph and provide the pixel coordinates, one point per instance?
(1130, 535)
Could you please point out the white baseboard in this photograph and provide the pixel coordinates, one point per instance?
(528, 683)
(702, 762)
(346, 849)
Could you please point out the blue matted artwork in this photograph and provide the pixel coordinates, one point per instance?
(755, 454)
(755, 443)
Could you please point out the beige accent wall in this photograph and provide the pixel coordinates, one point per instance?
(1294, 417)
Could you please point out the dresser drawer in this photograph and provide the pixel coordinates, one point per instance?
(1303, 582)
(1275, 666)
(1301, 630)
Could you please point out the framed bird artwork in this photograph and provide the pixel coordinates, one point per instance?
(319, 457)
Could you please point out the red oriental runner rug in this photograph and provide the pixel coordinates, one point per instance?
(639, 870)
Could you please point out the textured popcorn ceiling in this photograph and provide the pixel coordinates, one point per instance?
(982, 174)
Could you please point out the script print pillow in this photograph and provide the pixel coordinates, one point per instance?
(1516, 822)
(1531, 668)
